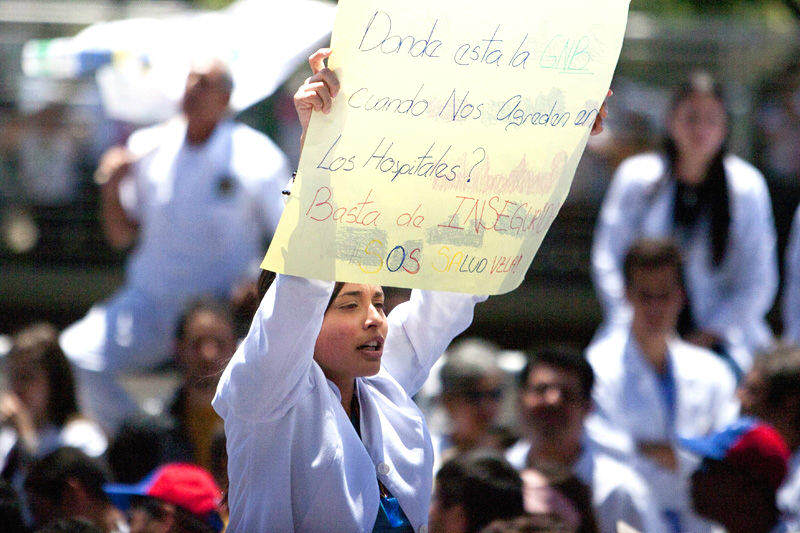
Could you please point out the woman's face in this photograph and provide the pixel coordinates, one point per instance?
(350, 342)
(29, 383)
(698, 126)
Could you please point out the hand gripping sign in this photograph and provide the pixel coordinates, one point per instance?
(452, 143)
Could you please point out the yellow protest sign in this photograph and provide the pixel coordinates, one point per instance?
(452, 143)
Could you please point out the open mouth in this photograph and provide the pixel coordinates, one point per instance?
(373, 348)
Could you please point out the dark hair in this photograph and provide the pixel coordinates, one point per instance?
(48, 476)
(781, 370)
(562, 358)
(539, 523)
(712, 193)
(651, 254)
(10, 509)
(70, 525)
(266, 278)
(38, 345)
(485, 485)
(185, 521)
(203, 304)
(139, 432)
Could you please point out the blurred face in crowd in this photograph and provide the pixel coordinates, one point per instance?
(698, 125)
(751, 394)
(473, 411)
(206, 96)
(446, 519)
(656, 297)
(552, 405)
(28, 381)
(350, 342)
(207, 345)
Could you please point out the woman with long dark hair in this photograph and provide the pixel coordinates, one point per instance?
(716, 206)
(322, 433)
(39, 411)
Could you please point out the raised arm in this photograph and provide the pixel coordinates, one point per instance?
(269, 371)
(120, 229)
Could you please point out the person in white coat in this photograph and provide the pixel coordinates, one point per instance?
(564, 472)
(322, 433)
(717, 207)
(791, 290)
(652, 388)
(199, 196)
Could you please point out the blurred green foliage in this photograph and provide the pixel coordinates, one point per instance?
(677, 7)
(212, 4)
(692, 7)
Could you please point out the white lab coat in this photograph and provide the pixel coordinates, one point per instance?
(788, 497)
(630, 407)
(295, 462)
(791, 289)
(618, 493)
(730, 300)
(204, 212)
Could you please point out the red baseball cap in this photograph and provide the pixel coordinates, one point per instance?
(750, 445)
(182, 484)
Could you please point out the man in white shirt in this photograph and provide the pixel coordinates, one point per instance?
(652, 388)
(198, 196)
(562, 471)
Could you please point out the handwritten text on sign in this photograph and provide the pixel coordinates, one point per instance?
(452, 143)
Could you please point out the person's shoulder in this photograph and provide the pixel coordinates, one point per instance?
(149, 138)
(605, 353)
(743, 177)
(644, 169)
(248, 138)
(256, 157)
(696, 362)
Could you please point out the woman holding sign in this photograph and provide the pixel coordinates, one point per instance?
(718, 208)
(321, 429)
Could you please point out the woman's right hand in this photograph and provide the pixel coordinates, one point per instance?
(318, 91)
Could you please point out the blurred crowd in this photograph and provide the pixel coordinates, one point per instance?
(683, 414)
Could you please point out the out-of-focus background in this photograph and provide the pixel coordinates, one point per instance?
(54, 262)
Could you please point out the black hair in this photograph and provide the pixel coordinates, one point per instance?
(185, 521)
(48, 476)
(538, 523)
(11, 510)
(266, 278)
(70, 525)
(154, 434)
(712, 194)
(781, 371)
(484, 484)
(38, 345)
(203, 304)
(652, 254)
(563, 358)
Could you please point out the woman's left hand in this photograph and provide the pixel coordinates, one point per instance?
(318, 91)
(597, 127)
